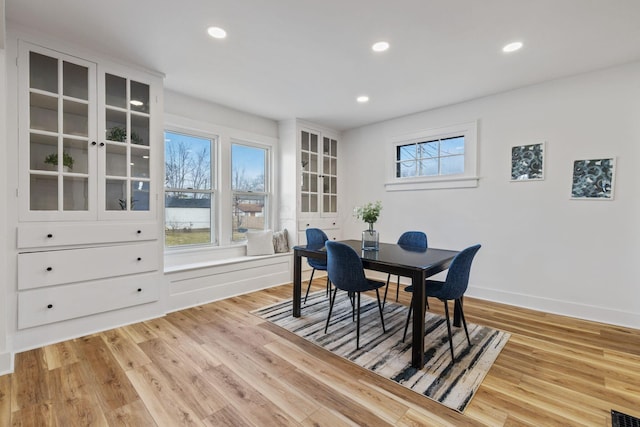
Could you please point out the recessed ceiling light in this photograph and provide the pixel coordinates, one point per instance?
(216, 32)
(362, 99)
(380, 46)
(512, 47)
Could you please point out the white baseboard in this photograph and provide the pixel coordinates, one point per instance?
(563, 308)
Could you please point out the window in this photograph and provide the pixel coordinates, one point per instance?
(430, 158)
(249, 186)
(437, 158)
(189, 190)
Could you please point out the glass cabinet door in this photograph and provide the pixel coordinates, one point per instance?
(309, 191)
(329, 175)
(319, 166)
(126, 145)
(57, 136)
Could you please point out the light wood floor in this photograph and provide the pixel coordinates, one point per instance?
(218, 365)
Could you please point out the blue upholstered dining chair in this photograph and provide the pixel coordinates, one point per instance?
(347, 273)
(316, 238)
(414, 239)
(453, 288)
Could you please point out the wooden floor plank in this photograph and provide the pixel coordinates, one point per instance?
(218, 365)
(5, 400)
(163, 403)
(30, 381)
(74, 401)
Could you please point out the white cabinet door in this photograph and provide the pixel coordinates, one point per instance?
(319, 174)
(57, 147)
(127, 117)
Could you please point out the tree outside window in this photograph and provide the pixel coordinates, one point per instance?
(189, 190)
(249, 187)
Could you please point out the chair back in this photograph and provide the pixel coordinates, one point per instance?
(416, 239)
(316, 239)
(458, 275)
(344, 267)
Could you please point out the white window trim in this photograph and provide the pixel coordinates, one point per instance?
(214, 192)
(468, 179)
(268, 186)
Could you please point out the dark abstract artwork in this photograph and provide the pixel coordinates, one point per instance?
(527, 162)
(593, 179)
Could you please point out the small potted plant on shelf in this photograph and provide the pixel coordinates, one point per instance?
(369, 213)
(119, 134)
(67, 161)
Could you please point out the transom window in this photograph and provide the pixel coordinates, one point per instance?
(249, 186)
(444, 156)
(189, 194)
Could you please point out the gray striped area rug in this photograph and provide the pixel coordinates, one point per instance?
(451, 384)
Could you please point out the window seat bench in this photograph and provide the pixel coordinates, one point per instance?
(200, 282)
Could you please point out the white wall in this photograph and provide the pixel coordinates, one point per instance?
(203, 111)
(540, 249)
(5, 356)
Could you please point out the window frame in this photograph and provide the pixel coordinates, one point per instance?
(267, 193)
(213, 191)
(467, 179)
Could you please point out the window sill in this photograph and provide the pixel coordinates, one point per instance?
(412, 184)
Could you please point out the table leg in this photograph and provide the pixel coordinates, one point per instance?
(417, 349)
(297, 283)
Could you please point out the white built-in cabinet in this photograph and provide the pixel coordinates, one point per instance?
(309, 179)
(100, 122)
(88, 229)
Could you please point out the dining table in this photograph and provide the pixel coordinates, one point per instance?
(406, 261)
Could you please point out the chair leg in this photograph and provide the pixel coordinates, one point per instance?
(464, 322)
(386, 289)
(406, 325)
(309, 285)
(328, 292)
(446, 312)
(353, 306)
(398, 289)
(380, 308)
(331, 301)
(358, 325)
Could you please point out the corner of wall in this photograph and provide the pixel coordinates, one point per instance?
(6, 363)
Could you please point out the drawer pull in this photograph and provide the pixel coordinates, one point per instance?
(49, 268)
(139, 289)
(49, 236)
(50, 306)
(139, 259)
(139, 231)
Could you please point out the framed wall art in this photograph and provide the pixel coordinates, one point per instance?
(527, 162)
(593, 179)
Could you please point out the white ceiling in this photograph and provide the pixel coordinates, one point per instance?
(310, 59)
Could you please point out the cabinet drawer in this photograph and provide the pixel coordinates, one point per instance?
(321, 223)
(38, 269)
(51, 235)
(332, 234)
(54, 304)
